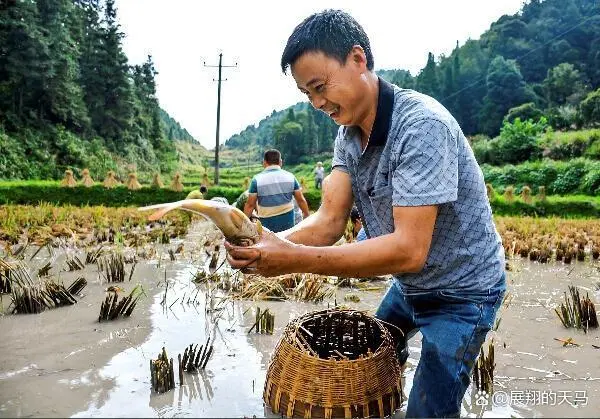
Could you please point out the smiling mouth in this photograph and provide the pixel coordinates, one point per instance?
(333, 112)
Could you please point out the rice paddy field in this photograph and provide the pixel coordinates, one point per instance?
(90, 296)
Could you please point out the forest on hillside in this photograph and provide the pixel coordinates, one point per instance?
(70, 99)
(543, 61)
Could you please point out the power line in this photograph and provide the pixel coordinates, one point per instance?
(219, 80)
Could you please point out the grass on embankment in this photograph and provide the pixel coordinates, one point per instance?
(34, 192)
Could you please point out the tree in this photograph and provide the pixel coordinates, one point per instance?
(427, 80)
(564, 85)
(115, 121)
(590, 108)
(288, 140)
(24, 59)
(505, 89)
(62, 96)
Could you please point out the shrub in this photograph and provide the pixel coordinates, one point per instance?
(524, 112)
(518, 140)
(569, 180)
(556, 176)
(591, 183)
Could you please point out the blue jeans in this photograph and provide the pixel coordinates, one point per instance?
(454, 325)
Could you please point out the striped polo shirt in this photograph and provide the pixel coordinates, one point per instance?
(275, 189)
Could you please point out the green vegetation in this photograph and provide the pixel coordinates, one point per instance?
(35, 192)
(575, 176)
(69, 99)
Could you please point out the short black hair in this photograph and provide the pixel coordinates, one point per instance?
(332, 32)
(354, 214)
(203, 189)
(272, 156)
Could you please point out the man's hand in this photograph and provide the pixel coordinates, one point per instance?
(404, 250)
(271, 256)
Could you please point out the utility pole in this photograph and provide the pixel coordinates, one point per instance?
(219, 80)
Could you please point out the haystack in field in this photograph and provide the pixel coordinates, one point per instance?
(176, 185)
(541, 196)
(87, 180)
(69, 180)
(110, 181)
(132, 182)
(526, 194)
(157, 182)
(491, 193)
(509, 193)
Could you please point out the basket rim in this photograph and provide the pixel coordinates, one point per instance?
(295, 324)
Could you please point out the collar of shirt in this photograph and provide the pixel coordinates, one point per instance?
(272, 167)
(383, 116)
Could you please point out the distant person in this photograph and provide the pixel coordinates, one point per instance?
(358, 232)
(271, 192)
(297, 212)
(319, 173)
(203, 190)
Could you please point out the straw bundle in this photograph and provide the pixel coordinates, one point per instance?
(132, 182)
(111, 308)
(194, 359)
(176, 185)
(577, 312)
(161, 373)
(156, 181)
(509, 193)
(110, 181)
(541, 193)
(526, 194)
(69, 180)
(205, 181)
(87, 180)
(491, 194)
(334, 363)
(483, 373)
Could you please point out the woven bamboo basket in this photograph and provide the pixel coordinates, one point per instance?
(334, 363)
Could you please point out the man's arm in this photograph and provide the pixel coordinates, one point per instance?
(326, 226)
(404, 250)
(250, 204)
(302, 202)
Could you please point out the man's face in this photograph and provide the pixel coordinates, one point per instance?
(331, 87)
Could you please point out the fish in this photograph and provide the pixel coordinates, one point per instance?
(237, 228)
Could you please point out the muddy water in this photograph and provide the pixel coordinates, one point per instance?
(64, 363)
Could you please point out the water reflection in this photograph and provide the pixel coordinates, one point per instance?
(233, 381)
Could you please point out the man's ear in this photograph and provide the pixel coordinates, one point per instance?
(357, 56)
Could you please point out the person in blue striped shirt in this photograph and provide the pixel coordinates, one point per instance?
(271, 192)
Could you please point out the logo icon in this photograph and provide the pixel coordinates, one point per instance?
(482, 398)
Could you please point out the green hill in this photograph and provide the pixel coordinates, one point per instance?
(69, 98)
(542, 60)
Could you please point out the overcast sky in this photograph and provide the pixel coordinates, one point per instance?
(182, 34)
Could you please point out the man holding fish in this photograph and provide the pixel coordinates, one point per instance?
(403, 160)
